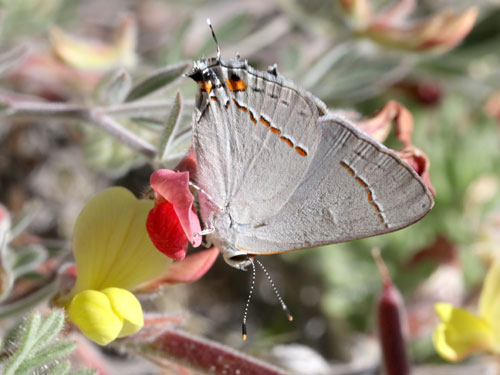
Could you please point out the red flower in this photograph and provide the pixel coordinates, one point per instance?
(173, 221)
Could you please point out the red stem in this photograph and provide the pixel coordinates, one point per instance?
(202, 355)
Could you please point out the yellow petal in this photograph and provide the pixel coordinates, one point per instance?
(489, 301)
(359, 11)
(128, 308)
(92, 313)
(85, 54)
(111, 245)
(460, 333)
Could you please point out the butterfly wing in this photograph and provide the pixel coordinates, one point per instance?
(253, 142)
(354, 188)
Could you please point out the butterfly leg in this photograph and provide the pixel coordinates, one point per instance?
(199, 189)
(204, 232)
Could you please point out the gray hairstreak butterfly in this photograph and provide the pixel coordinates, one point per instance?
(278, 173)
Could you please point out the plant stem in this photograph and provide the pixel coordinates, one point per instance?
(114, 128)
(132, 108)
(95, 116)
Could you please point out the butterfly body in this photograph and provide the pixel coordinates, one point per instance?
(279, 173)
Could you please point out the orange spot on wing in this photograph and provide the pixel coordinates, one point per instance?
(349, 169)
(287, 141)
(252, 118)
(205, 86)
(361, 182)
(264, 121)
(238, 85)
(300, 151)
(369, 193)
(370, 196)
(375, 206)
(244, 109)
(213, 98)
(275, 130)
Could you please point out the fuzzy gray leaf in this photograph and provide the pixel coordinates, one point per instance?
(27, 259)
(61, 368)
(36, 349)
(171, 126)
(159, 79)
(115, 88)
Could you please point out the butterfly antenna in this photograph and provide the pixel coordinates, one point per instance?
(215, 38)
(283, 305)
(245, 313)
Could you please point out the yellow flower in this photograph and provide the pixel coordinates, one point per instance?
(461, 333)
(113, 255)
(91, 55)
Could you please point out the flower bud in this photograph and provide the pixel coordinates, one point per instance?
(106, 315)
(390, 321)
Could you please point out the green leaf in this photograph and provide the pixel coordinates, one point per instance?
(49, 329)
(46, 356)
(114, 88)
(27, 259)
(159, 79)
(23, 220)
(36, 349)
(171, 126)
(24, 350)
(61, 368)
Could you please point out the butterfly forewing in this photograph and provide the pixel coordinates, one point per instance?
(253, 142)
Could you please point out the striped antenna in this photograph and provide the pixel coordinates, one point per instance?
(283, 305)
(215, 38)
(245, 313)
(250, 294)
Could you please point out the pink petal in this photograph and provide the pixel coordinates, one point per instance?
(174, 187)
(419, 161)
(166, 232)
(192, 268)
(4, 219)
(379, 125)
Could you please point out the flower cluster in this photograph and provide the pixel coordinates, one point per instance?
(173, 221)
(115, 255)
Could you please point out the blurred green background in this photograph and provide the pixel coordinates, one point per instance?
(454, 97)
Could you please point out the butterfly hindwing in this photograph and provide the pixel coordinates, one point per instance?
(354, 188)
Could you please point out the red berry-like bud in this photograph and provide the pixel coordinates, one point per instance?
(165, 231)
